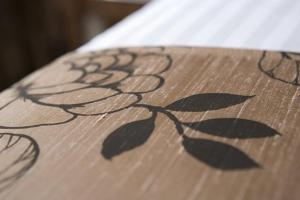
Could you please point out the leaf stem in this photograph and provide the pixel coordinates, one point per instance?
(159, 109)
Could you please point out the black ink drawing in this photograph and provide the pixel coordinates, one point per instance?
(100, 79)
(286, 68)
(108, 82)
(18, 153)
(226, 157)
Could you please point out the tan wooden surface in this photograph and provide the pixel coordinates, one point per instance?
(154, 123)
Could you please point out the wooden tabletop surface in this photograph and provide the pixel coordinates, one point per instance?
(154, 123)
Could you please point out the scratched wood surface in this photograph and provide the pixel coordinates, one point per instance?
(154, 123)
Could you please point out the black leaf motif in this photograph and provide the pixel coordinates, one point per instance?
(233, 128)
(218, 155)
(127, 137)
(207, 101)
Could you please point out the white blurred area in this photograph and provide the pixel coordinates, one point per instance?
(254, 24)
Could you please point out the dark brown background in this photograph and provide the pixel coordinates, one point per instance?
(34, 32)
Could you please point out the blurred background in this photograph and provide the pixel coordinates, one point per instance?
(34, 32)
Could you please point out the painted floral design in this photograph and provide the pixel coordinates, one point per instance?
(110, 81)
(282, 66)
(18, 153)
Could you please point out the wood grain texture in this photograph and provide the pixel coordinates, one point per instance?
(154, 123)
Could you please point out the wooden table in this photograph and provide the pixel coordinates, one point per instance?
(154, 123)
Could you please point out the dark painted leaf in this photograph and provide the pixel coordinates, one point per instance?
(218, 155)
(207, 101)
(127, 137)
(233, 128)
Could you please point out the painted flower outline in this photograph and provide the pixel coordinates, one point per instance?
(281, 66)
(107, 79)
(18, 153)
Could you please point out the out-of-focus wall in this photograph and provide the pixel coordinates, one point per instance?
(34, 32)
